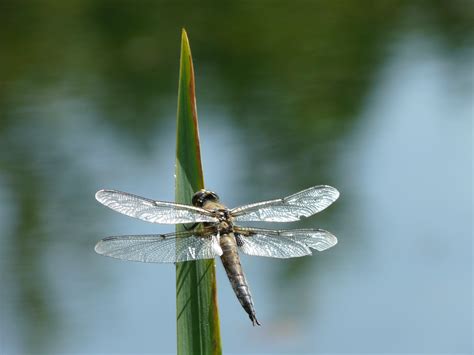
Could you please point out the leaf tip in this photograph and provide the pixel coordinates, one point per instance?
(184, 35)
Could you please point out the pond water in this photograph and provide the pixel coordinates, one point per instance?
(374, 100)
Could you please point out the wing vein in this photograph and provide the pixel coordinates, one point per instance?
(292, 208)
(155, 248)
(284, 243)
(152, 211)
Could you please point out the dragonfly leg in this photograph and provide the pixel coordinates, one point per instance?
(194, 225)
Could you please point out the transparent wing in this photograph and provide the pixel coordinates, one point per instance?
(292, 208)
(283, 243)
(152, 211)
(155, 248)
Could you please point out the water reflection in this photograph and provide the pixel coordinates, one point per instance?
(301, 97)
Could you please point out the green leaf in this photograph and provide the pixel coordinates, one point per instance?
(197, 316)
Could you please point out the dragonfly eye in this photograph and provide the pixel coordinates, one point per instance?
(202, 196)
(213, 196)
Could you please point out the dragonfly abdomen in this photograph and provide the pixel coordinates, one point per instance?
(231, 261)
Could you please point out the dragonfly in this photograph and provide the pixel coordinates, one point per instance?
(215, 231)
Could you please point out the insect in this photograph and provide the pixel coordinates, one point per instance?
(214, 232)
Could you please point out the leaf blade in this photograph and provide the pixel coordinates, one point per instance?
(197, 321)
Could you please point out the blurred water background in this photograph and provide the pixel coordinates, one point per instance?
(374, 98)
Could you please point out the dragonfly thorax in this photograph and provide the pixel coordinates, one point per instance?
(222, 214)
(225, 227)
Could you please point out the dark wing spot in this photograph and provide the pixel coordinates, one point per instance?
(239, 240)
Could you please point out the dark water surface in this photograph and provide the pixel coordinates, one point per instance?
(374, 98)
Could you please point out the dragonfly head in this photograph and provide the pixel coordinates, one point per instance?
(204, 195)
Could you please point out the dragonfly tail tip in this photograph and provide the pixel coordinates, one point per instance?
(254, 320)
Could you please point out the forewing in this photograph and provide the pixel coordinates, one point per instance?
(292, 208)
(283, 243)
(155, 248)
(152, 211)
